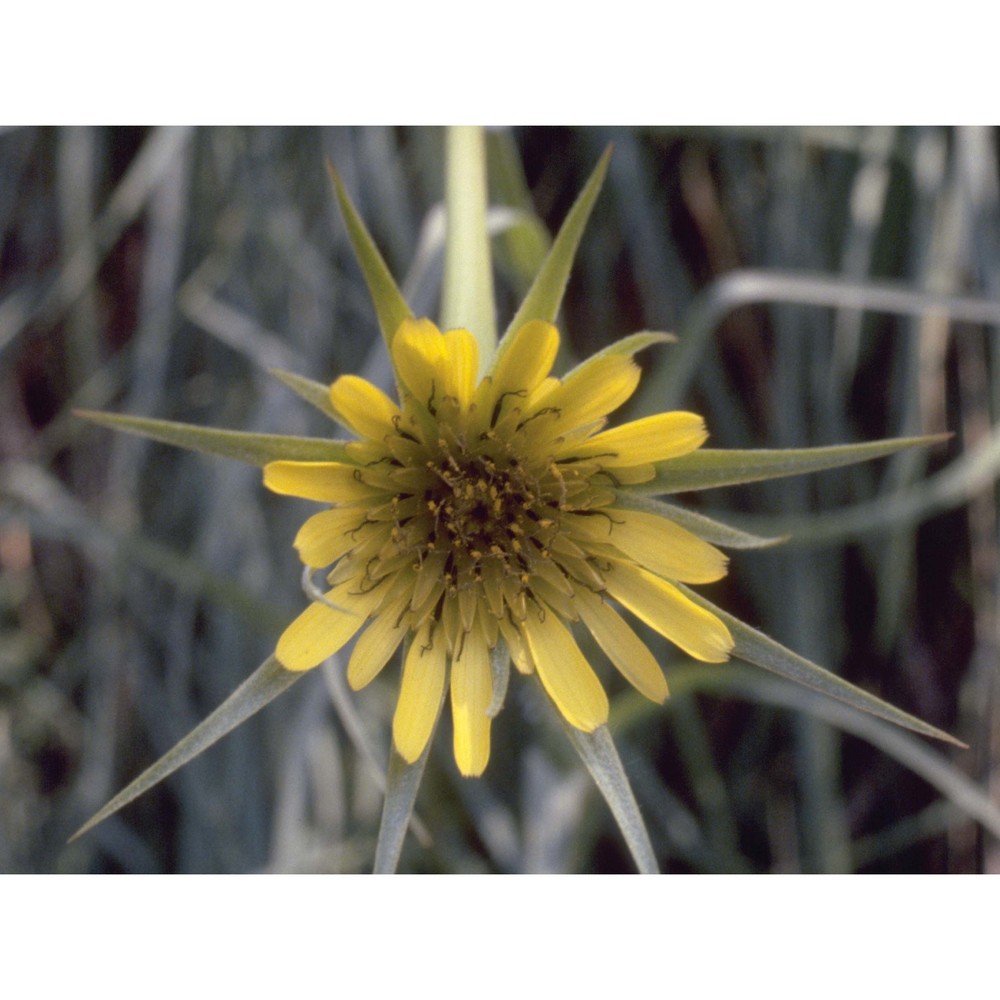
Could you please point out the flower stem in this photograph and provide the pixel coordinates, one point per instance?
(467, 291)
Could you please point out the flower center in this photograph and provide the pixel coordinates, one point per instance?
(486, 506)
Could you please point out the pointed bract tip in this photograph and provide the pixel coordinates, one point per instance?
(336, 181)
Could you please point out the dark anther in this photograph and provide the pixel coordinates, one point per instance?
(540, 413)
(520, 393)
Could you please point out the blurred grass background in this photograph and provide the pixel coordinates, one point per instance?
(829, 285)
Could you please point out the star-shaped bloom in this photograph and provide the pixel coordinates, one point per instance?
(480, 520)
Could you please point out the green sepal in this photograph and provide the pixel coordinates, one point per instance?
(707, 468)
(254, 449)
(546, 293)
(467, 286)
(401, 786)
(522, 245)
(500, 676)
(625, 347)
(316, 394)
(757, 648)
(633, 343)
(598, 753)
(264, 685)
(390, 306)
(698, 524)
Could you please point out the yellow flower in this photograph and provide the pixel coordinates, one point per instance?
(481, 513)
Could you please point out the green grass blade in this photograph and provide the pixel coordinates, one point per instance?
(40, 500)
(390, 306)
(546, 293)
(254, 449)
(707, 468)
(467, 288)
(757, 648)
(919, 758)
(598, 753)
(520, 249)
(268, 681)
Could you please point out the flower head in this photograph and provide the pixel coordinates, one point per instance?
(481, 513)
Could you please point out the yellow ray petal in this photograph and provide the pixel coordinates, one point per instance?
(461, 365)
(622, 646)
(590, 392)
(664, 608)
(528, 359)
(321, 630)
(328, 482)
(428, 577)
(420, 694)
(546, 386)
(565, 672)
(363, 407)
(326, 536)
(656, 543)
(516, 645)
(471, 695)
(418, 354)
(651, 439)
(521, 368)
(377, 643)
(630, 475)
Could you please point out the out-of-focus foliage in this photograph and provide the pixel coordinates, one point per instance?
(828, 286)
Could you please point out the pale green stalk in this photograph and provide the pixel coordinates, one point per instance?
(467, 290)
